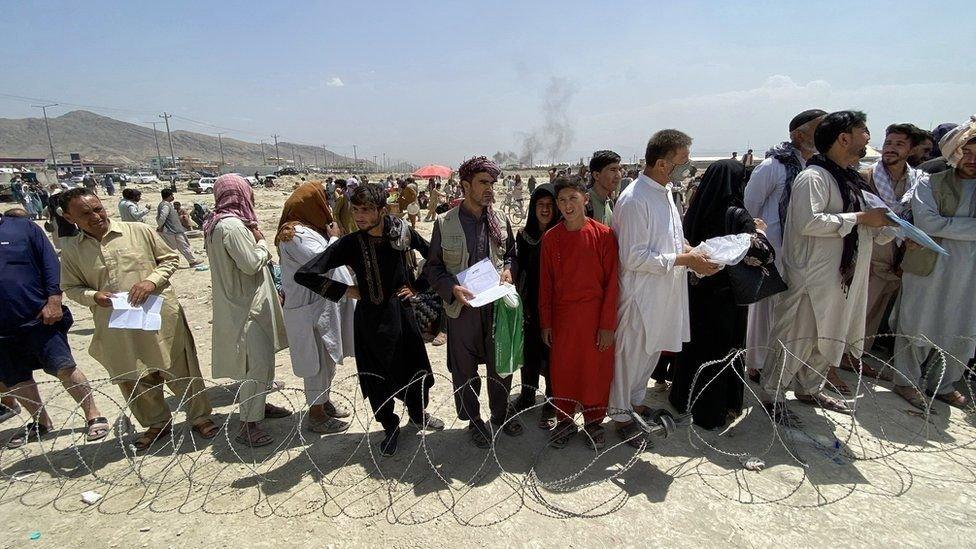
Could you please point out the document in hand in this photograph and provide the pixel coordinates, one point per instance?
(908, 230)
(484, 282)
(143, 317)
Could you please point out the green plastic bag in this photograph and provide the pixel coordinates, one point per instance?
(509, 338)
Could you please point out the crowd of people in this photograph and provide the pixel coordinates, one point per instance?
(614, 283)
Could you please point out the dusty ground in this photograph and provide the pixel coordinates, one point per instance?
(891, 477)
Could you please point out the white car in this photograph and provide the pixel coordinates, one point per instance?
(202, 185)
(144, 178)
(252, 181)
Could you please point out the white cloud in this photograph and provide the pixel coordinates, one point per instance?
(335, 82)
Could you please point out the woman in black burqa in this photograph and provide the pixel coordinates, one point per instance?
(718, 325)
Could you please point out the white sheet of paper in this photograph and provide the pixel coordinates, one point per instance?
(145, 317)
(484, 282)
(872, 200)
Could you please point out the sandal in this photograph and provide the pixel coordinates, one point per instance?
(954, 399)
(253, 437)
(596, 436)
(511, 427)
(98, 429)
(479, 434)
(912, 396)
(275, 412)
(632, 434)
(31, 430)
(327, 425)
(836, 384)
(781, 415)
(206, 429)
(825, 402)
(560, 437)
(332, 410)
(150, 436)
(860, 367)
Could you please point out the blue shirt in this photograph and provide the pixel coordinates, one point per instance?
(29, 272)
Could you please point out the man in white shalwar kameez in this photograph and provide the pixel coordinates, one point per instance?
(652, 312)
(763, 196)
(827, 244)
(937, 291)
(320, 332)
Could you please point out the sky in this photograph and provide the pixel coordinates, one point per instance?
(438, 82)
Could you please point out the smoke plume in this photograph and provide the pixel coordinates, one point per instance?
(556, 134)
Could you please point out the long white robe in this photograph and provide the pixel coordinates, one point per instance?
(814, 320)
(652, 311)
(762, 196)
(939, 305)
(320, 332)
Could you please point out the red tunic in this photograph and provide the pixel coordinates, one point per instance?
(577, 298)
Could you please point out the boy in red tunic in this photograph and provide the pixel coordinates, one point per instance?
(578, 312)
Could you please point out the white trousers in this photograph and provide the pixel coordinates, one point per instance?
(632, 369)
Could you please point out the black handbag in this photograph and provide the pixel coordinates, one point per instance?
(751, 283)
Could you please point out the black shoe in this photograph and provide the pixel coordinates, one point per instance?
(389, 445)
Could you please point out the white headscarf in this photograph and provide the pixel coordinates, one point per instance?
(951, 143)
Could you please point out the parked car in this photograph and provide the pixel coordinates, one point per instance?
(252, 181)
(202, 185)
(286, 171)
(144, 178)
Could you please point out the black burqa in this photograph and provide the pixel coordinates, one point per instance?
(528, 246)
(718, 325)
(390, 355)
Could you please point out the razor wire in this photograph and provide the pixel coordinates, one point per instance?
(439, 474)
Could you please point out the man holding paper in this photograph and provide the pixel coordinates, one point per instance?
(464, 236)
(827, 242)
(937, 290)
(109, 257)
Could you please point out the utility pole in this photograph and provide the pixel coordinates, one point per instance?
(277, 157)
(220, 143)
(169, 137)
(374, 163)
(384, 161)
(264, 157)
(48, 128)
(316, 153)
(355, 157)
(159, 156)
(294, 156)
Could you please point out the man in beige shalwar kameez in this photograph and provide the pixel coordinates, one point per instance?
(109, 257)
(827, 245)
(248, 328)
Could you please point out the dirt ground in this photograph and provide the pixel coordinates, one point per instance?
(887, 477)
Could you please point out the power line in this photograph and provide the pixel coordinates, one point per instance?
(165, 116)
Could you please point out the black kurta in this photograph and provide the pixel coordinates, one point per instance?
(390, 352)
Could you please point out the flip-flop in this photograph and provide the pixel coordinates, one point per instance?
(596, 436)
(825, 402)
(560, 437)
(327, 426)
(512, 427)
(98, 429)
(632, 434)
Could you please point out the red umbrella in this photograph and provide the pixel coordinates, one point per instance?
(433, 170)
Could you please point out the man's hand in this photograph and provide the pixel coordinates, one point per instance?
(462, 294)
(604, 339)
(405, 292)
(51, 312)
(698, 261)
(912, 245)
(256, 232)
(352, 292)
(760, 224)
(103, 299)
(140, 291)
(875, 217)
(507, 276)
(547, 336)
(334, 230)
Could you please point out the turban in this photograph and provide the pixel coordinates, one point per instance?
(478, 164)
(952, 142)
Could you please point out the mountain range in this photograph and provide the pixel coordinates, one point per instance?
(103, 139)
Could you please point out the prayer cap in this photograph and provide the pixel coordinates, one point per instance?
(805, 117)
